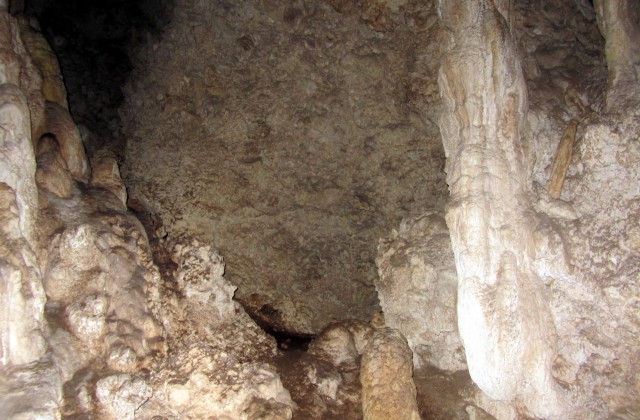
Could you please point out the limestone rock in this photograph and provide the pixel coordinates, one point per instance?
(122, 395)
(87, 319)
(200, 382)
(293, 185)
(326, 380)
(45, 60)
(619, 22)
(386, 374)
(105, 173)
(200, 276)
(52, 173)
(417, 288)
(30, 391)
(19, 70)
(342, 343)
(22, 316)
(100, 271)
(504, 317)
(59, 122)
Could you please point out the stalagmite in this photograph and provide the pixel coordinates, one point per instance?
(503, 317)
(388, 391)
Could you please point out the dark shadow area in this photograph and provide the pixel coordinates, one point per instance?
(94, 42)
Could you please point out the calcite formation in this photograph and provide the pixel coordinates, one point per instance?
(386, 374)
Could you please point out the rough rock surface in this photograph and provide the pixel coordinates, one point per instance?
(105, 173)
(503, 315)
(386, 374)
(293, 173)
(202, 381)
(417, 288)
(21, 319)
(45, 60)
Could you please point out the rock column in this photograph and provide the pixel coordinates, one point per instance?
(618, 21)
(503, 317)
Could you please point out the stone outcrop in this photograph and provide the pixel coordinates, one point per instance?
(417, 287)
(292, 173)
(552, 307)
(59, 122)
(105, 173)
(21, 319)
(45, 60)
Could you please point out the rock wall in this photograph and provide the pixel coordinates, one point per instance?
(291, 136)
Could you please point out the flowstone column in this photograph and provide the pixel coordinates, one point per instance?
(503, 318)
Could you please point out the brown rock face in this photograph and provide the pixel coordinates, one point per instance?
(290, 139)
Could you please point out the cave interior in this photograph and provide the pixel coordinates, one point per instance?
(317, 209)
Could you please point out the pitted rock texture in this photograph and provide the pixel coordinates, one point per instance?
(98, 347)
(386, 375)
(203, 381)
(288, 135)
(417, 288)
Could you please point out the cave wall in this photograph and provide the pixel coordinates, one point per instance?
(291, 135)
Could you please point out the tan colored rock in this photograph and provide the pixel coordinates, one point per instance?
(504, 317)
(386, 375)
(17, 68)
(619, 22)
(417, 287)
(101, 272)
(105, 173)
(52, 173)
(45, 60)
(121, 395)
(200, 382)
(293, 185)
(59, 122)
(30, 391)
(342, 343)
